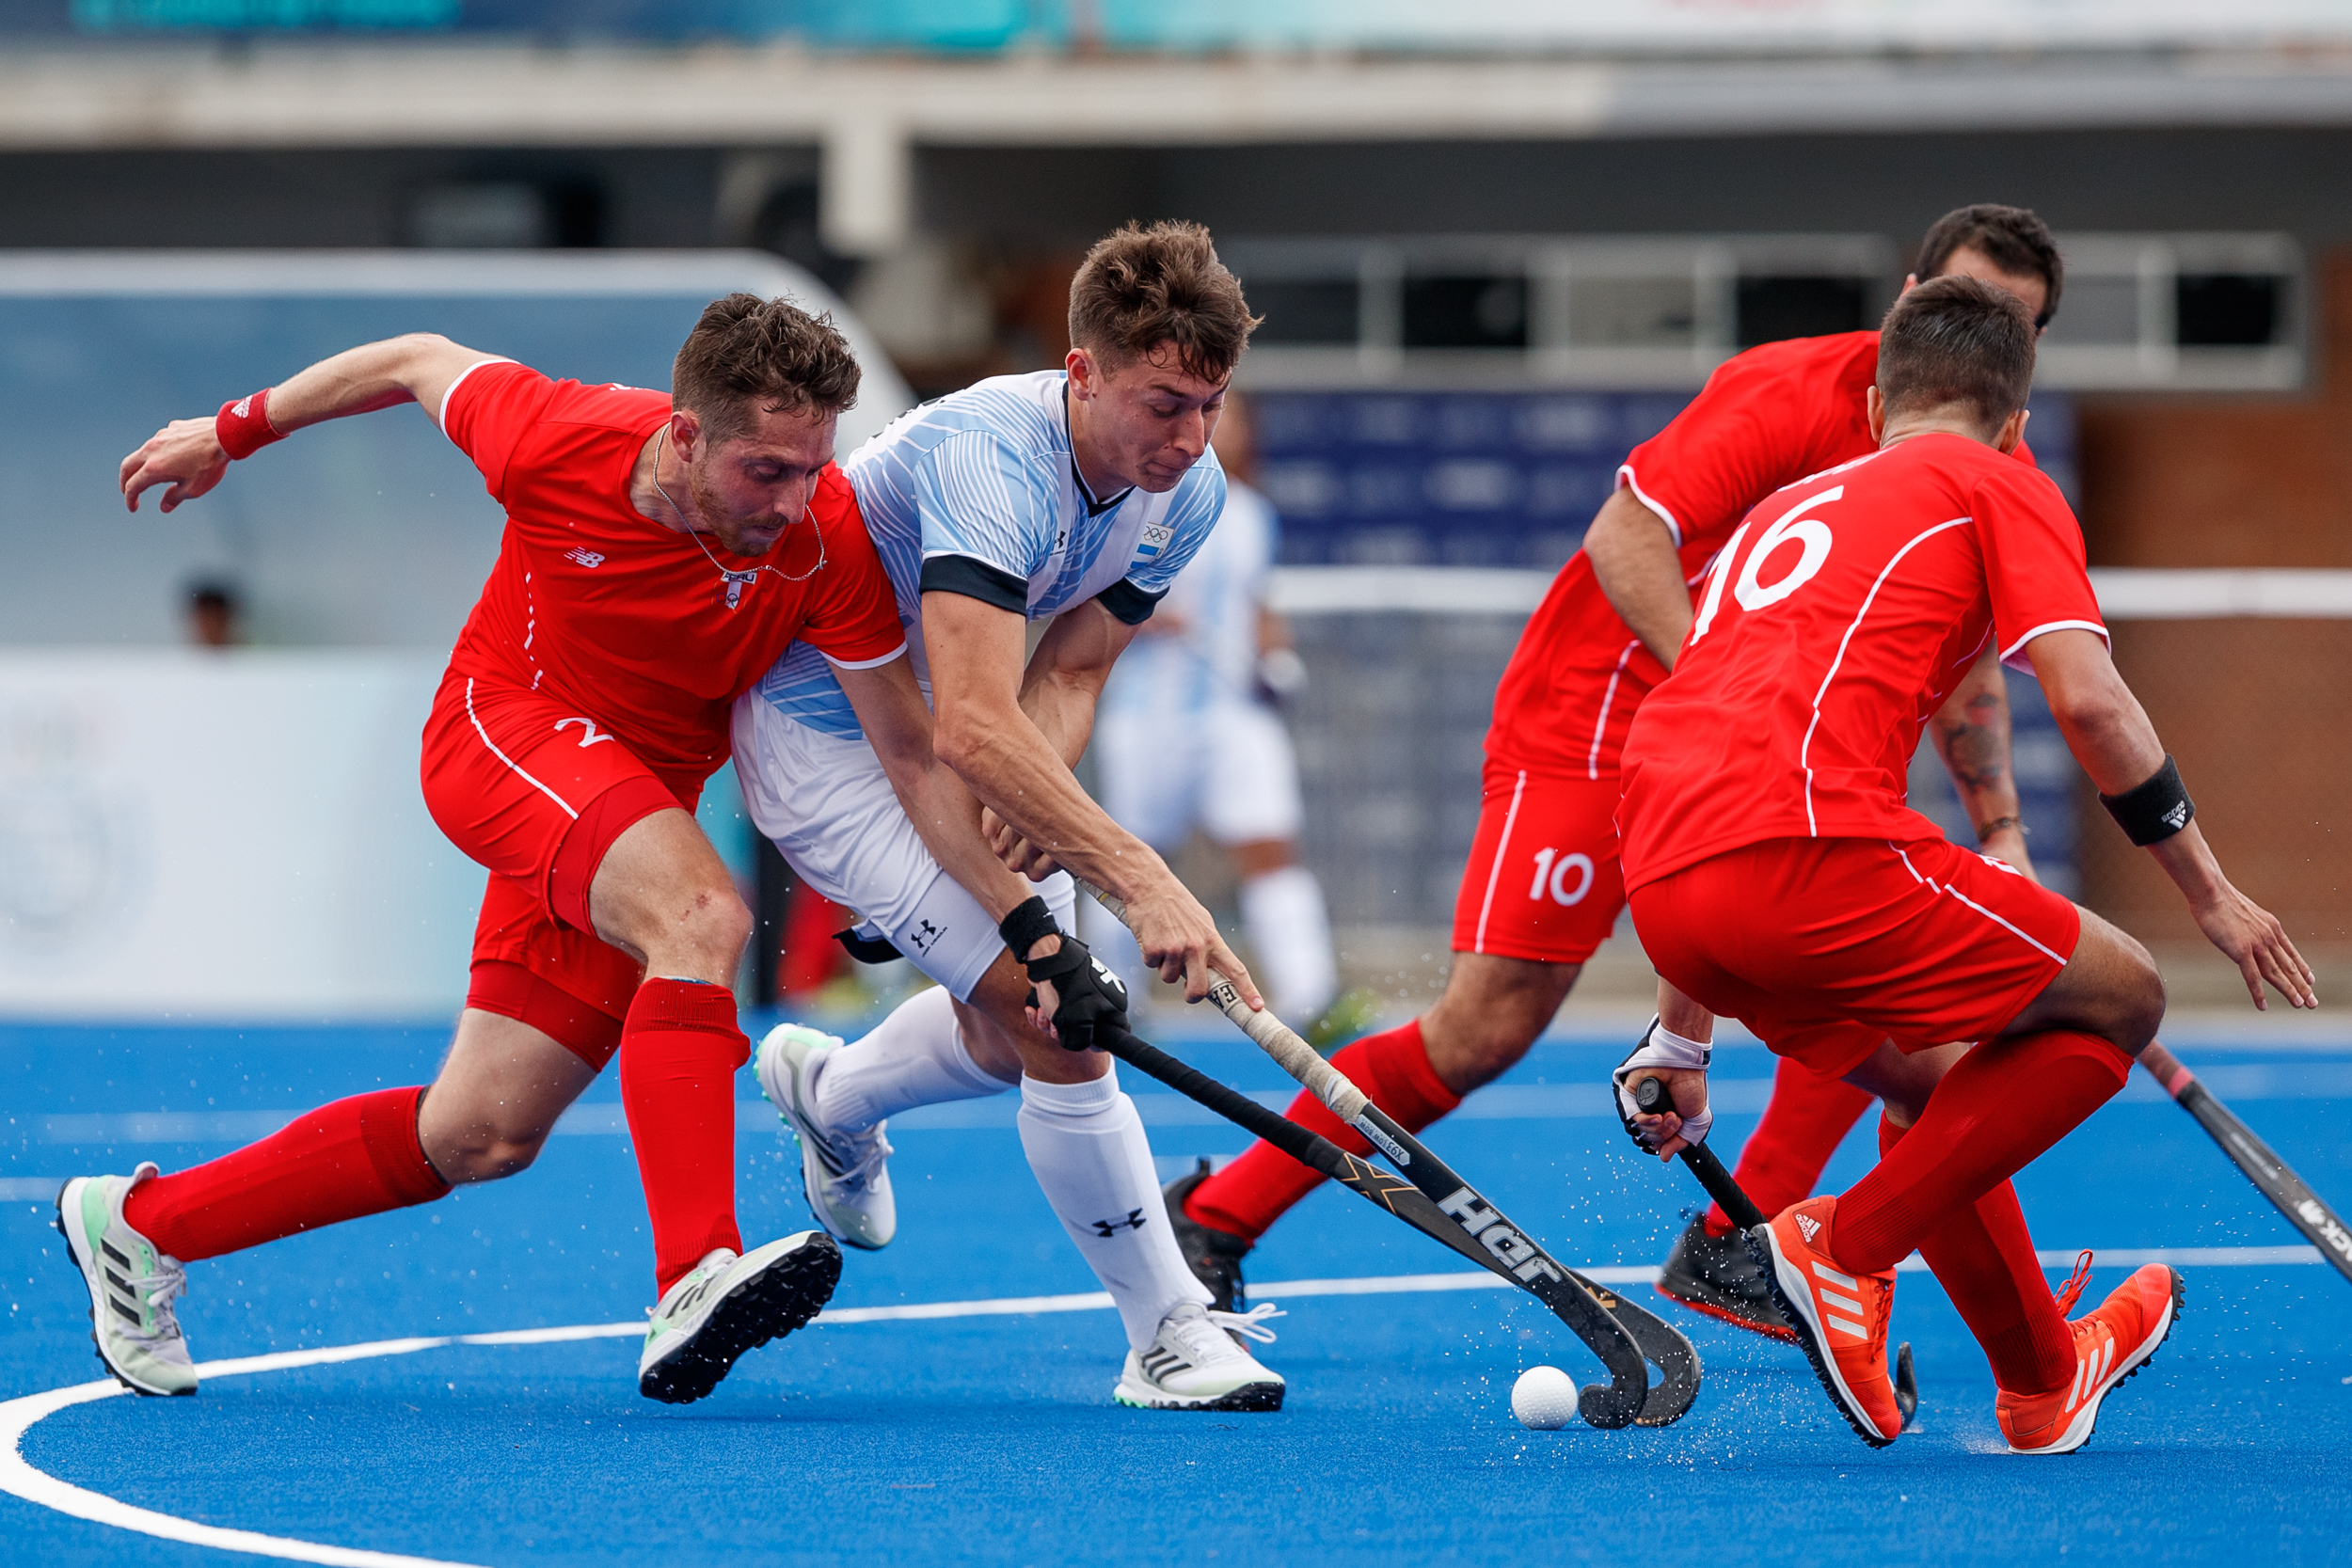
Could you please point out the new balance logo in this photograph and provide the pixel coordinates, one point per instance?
(589, 558)
(1809, 1225)
(1108, 1229)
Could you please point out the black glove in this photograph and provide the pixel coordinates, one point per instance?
(1091, 996)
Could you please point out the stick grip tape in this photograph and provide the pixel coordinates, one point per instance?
(1274, 1037)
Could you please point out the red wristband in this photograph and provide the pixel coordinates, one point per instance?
(243, 426)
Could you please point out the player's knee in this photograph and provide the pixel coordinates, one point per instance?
(718, 922)
(490, 1154)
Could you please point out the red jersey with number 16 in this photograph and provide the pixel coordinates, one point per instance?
(651, 632)
(1765, 418)
(1830, 628)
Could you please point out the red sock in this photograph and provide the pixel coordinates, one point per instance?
(1393, 1067)
(355, 1157)
(1984, 1258)
(1804, 1122)
(1992, 1115)
(680, 1048)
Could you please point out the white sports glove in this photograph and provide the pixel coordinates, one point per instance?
(1662, 1048)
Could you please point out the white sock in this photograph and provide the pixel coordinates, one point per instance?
(914, 1057)
(1291, 935)
(1086, 1145)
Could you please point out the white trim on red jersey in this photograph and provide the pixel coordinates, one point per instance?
(899, 652)
(2011, 653)
(1608, 699)
(1625, 477)
(1813, 828)
(440, 415)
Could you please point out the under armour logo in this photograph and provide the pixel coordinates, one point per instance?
(1108, 1229)
(924, 935)
(589, 558)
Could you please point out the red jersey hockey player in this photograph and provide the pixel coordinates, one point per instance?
(1776, 876)
(1543, 889)
(658, 558)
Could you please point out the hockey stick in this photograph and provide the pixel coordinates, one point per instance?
(2264, 1168)
(1468, 1213)
(1653, 1098)
(1623, 1400)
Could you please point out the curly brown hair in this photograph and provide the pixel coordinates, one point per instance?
(1144, 287)
(746, 350)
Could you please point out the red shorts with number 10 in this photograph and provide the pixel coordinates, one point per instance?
(538, 791)
(1543, 881)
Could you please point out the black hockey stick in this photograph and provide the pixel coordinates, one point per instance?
(2279, 1183)
(1625, 1400)
(1468, 1213)
(1653, 1099)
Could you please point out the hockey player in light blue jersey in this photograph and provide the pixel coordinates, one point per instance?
(1071, 496)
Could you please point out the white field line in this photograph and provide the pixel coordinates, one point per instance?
(18, 1415)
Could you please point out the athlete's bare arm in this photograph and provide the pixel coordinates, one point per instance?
(1632, 551)
(186, 455)
(985, 733)
(1971, 732)
(2109, 734)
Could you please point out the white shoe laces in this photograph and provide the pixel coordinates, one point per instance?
(872, 1149)
(1250, 1324)
(157, 1290)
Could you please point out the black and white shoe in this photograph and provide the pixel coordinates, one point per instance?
(1196, 1362)
(1715, 1275)
(727, 1306)
(1213, 1256)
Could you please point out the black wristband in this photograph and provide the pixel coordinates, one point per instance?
(1029, 924)
(2155, 809)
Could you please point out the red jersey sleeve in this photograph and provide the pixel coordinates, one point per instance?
(854, 620)
(488, 410)
(1765, 420)
(2035, 569)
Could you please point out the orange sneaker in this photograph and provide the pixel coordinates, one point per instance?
(2112, 1342)
(1841, 1317)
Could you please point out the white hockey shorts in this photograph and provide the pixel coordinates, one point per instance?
(826, 804)
(1227, 767)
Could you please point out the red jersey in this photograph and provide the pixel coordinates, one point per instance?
(653, 632)
(1830, 628)
(1765, 418)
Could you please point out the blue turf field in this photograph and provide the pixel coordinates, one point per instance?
(992, 1438)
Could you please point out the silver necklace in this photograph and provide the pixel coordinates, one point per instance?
(736, 581)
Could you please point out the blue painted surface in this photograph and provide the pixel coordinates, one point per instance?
(992, 1440)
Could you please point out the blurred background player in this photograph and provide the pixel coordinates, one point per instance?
(1767, 775)
(651, 570)
(1543, 889)
(1073, 496)
(1191, 735)
(215, 614)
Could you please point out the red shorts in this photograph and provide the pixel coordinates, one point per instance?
(537, 793)
(1826, 946)
(1543, 881)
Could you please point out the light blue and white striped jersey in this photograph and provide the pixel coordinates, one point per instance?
(982, 481)
(1201, 647)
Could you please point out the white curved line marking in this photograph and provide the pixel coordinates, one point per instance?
(18, 1415)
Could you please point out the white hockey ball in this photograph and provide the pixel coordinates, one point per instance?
(1544, 1399)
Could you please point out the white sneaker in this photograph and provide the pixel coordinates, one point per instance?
(727, 1306)
(131, 1286)
(1196, 1362)
(846, 1175)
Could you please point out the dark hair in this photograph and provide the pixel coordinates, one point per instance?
(2011, 238)
(1141, 287)
(1957, 340)
(747, 349)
